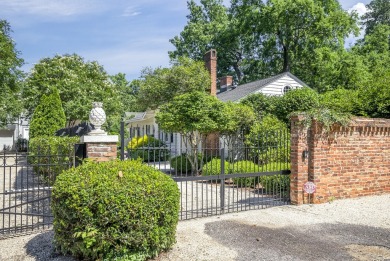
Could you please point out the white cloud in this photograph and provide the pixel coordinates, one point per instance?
(130, 11)
(359, 8)
(50, 8)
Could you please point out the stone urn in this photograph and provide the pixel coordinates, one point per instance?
(97, 117)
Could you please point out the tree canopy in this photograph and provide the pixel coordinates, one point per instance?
(378, 13)
(79, 84)
(194, 115)
(190, 112)
(161, 85)
(10, 76)
(210, 26)
(48, 116)
(256, 39)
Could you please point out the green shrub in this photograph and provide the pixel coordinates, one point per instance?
(48, 116)
(49, 156)
(271, 184)
(213, 167)
(118, 209)
(148, 149)
(276, 183)
(182, 164)
(150, 154)
(244, 166)
(269, 141)
(301, 99)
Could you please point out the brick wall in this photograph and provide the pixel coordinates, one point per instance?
(347, 162)
(101, 151)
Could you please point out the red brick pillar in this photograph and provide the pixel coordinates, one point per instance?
(300, 154)
(210, 59)
(100, 148)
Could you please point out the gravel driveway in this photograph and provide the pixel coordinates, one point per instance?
(351, 229)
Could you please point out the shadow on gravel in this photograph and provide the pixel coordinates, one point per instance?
(313, 242)
(41, 248)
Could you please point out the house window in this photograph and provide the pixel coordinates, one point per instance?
(286, 89)
(147, 129)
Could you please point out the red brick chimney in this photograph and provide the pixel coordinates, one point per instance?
(210, 59)
(226, 81)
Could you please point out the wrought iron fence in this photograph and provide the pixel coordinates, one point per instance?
(217, 174)
(26, 180)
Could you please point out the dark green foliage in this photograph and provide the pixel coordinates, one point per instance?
(342, 100)
(182, 164)
(119, 209)
(160, 86)
(21, 145)
(10, 76)
(325, 117)
(378, 13)
(261, 104)
(79, 83)
(276, 184)
(48, 116)
(49, 156)
(376, 97)
(302, 99)
(194, 115)
(269, 141)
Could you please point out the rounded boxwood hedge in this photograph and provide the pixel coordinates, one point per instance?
(276, 183)
(120, 210)
(244, 166)
(213, 167)
(181, 164)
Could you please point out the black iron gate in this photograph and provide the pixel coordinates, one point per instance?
(234, 175)
(26, 180)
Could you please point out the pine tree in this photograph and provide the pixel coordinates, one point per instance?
(48, 116)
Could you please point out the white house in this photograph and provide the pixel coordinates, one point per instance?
(10, 134)
(144, 123)
(275, 85)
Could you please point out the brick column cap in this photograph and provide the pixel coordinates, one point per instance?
(99, 139)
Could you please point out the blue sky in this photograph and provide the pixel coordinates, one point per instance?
(123, 36)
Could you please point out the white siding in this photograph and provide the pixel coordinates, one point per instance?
(6, 139)
(276, 87)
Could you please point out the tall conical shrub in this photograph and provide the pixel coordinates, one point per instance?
(48, 116)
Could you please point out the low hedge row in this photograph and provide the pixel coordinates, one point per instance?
(50, 155)
(181, 164)
(272, 184)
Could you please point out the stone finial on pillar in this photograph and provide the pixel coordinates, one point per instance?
(97, 117)
(99, 145)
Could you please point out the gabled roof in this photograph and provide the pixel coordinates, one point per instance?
(241, 91)
(135, 116)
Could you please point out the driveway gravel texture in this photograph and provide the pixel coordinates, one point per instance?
(349, 229)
